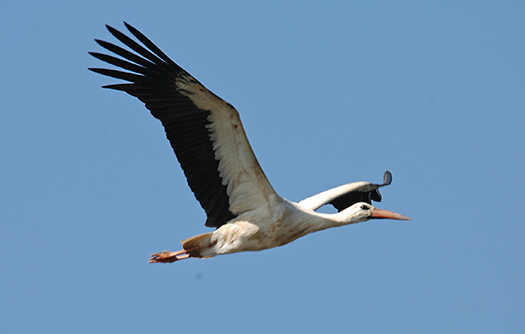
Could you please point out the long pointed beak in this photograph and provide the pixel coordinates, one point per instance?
(384, 214)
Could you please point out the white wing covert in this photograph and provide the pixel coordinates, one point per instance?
(346, 195)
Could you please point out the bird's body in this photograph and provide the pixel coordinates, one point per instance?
(276, 224)
(207, 136)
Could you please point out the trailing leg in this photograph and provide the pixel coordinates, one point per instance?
(198, 246)
(168, 257)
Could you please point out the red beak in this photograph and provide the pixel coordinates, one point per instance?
(384, 214)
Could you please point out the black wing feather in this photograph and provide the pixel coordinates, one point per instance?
(371, 193)
(345, 201)
(152, 80)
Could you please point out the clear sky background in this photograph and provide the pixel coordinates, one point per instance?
(330, 92)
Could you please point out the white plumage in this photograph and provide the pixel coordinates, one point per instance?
(207, 136)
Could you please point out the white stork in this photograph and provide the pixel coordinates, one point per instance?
(209, 141)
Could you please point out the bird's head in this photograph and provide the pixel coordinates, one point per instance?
(360, 212)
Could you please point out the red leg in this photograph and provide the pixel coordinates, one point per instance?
(168, 257)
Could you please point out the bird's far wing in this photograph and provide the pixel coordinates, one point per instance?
(205, 132)
(346, 195)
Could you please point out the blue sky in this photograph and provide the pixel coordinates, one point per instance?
(329, 93)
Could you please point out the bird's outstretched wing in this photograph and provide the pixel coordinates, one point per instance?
(205, 132)
(346, 195)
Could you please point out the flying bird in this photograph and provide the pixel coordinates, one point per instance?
(211, 146)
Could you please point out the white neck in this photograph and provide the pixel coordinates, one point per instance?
(317, 221)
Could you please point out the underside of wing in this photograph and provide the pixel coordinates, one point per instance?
(347, 195)
(345, 201)
(205, 132)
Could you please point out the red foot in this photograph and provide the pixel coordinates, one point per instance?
(168, 257)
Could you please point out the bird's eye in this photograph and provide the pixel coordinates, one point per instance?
(364, 207)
